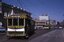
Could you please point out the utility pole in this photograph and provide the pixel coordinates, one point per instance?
(49, 22)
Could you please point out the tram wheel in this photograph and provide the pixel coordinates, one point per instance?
(27, 36)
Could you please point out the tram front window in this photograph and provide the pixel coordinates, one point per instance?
(15, 22)
(9, 22)
(21, 22)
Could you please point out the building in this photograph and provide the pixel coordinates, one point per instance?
(41, 22)
(44, 21)
(44, 17)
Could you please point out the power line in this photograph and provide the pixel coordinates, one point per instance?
(19, 3)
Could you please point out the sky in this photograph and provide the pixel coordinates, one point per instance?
(54, 8)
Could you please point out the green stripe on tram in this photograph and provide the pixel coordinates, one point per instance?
(15, 26)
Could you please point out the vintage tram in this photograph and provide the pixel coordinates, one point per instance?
(19, 25)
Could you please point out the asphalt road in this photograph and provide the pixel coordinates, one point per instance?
(38, 33)
(56, 35)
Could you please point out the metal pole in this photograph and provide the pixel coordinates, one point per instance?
(24, 22)
(12, 21)
(7, 21)
(18, 21)
(49, 22)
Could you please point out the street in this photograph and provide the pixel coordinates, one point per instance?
(56, 35)
(3, 37)
(31, 20)
(53, 36)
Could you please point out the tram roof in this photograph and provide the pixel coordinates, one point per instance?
(8, 7)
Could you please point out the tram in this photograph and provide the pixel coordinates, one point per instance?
(19, 25)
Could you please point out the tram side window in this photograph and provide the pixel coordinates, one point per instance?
(21, 22)
(28, 22)
(15, 22)
(9, 22)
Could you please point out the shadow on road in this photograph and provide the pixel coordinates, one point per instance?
(40, 32)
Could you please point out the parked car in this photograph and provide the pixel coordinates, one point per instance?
(45, 27)
(60, 27)
(2, 29)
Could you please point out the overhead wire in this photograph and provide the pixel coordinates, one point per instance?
(19, 3)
